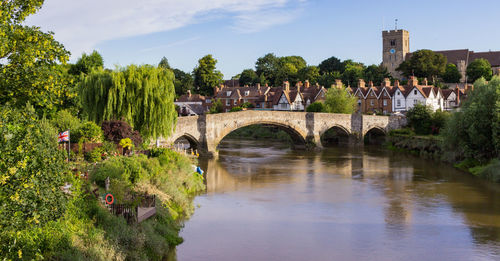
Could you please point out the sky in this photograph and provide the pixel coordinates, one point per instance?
(237, 32)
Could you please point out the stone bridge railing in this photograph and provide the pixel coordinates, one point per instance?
(206, 131)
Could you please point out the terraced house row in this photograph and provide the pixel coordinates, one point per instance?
(385, 98)
(389, 98)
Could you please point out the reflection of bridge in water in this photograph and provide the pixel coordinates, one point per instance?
(206, 131)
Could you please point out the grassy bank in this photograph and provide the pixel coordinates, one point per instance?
(430, 146)
(88, 231)
(260, 132)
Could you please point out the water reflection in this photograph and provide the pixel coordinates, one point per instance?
(266, 202)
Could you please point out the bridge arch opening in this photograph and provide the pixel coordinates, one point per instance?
(187, 142)
(335, 136)
(267, 131)
(375, 136)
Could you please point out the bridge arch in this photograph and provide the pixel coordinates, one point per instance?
(335, 134)
(193, 142)
(375, 135)
(298, 137)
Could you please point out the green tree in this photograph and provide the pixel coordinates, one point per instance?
(479, 68)
(267, 66)
(332, 64)
(353, 72)
(327, 79)
(473, 132)
(183, 82)
(29, 60)
(310, 73)
(451, 74)
(315, 107)
(141, 95)
(376, 74)
(248, 77)
(340, 101)
(216, 107)
(206, 77)
(87, 63)
(32, 170)
(424, 63)
(164, 63)
(420, 119)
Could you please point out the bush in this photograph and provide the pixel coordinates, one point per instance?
(315, 107)
(115, 131)
(420, 119)
(89, 132)
(247, 105)
(404, 132)
(237, 108)
(32, 170)
(438, 121)
(216, 107)
(94, 155)
(126, 144)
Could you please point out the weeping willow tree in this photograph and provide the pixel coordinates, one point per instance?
(141, 95)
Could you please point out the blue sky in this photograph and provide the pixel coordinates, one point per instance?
(237, 32)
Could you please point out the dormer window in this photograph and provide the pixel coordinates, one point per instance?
(228, 93)
(415, 92)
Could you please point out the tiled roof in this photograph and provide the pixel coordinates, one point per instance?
(454, 56)
(191, 98)
(492, 57)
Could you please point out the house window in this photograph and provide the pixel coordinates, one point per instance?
(398, 103)
(228, 93)
(385, 102)
(247, 93)
(235, 102)
(385, 94)
(228, 102)
(415, 92)
(371, 102)
(208, 101)
(398, 93)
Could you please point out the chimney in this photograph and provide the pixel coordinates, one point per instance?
(469, 88)
(361, 83)
(216, 90)
(286, 86)
(189, 93)
(396, 83)
(267, 85)
(425, 81)
(298, 88)
(458, 95)
(386, 82)
(413, 81)
(370, 84)
(338, 83)
(258, 86)
(307, 84)
(246, 85)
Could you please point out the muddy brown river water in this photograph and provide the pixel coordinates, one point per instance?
(266, 202)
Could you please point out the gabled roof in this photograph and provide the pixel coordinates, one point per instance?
(447, 92)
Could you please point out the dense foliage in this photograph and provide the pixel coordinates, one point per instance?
(315, 107)
(474, 131)
(424, 63)
(29, 69)
(31, 171)
(88, 132)
(479, 68)
(206, 77)
(141, 95)
(424, 121)
(87, 63)
(338, 100)
(451, 74)
(216, 107)
(115, 131)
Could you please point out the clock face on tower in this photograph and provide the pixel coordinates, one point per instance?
(392, 50)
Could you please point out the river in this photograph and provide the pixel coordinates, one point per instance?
(267, 202)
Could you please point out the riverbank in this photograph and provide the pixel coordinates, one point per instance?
(88, 231)
(430, 146)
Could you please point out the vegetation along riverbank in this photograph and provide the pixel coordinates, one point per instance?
(469, 138)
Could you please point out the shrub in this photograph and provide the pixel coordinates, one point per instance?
(438, 120)
(126, 143)
(94, 155)
(32, 170)
(420, 119)
(116, 130)
(315, 107)
(216, 107)
(247, 105)
(89, 132)
(237, 108)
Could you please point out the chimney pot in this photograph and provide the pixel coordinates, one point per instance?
(307, 84)
(189, 93)
(370, 84)
(386, 82)
(361, 83)
(396, 83)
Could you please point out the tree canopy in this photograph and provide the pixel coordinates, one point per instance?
(332, 64)
(451, 74)
(164, 63)
(87, 63)
(424, 63)
(338, 100)
(183, 82)
(29, 60)
(206, 77)
(248, 77)
(479, 68)
(141, 95)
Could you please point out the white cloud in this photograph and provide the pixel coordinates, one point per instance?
(81, 25)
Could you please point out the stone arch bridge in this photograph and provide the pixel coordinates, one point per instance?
(305, 128)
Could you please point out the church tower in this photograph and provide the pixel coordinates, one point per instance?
(395, 46)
